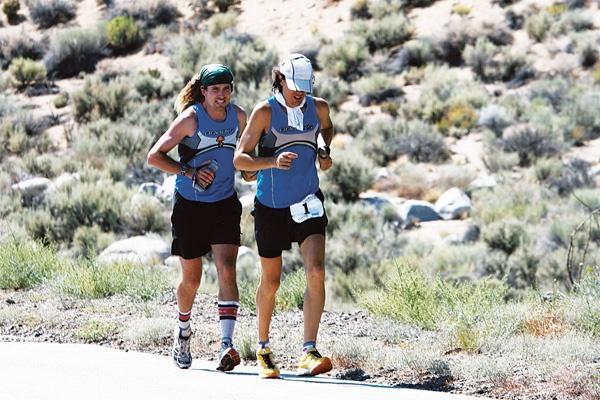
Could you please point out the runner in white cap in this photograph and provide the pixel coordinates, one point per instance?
(292, 130)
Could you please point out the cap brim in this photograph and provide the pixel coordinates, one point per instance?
(299, 85)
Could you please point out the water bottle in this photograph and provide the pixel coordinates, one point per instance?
(213, 166)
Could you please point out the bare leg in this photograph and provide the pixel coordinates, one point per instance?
(225, 256)
(191, 274)
(313, 253)
(270, 275)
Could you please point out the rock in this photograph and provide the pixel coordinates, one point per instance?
(147, 250)
(167, 190)
(414, 211)
(150, 188)
(32, 189)
(483, 182)
(173, 262)
(63, 180)
(453, 204)
(353, 374)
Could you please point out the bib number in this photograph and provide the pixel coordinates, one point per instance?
(310, 207)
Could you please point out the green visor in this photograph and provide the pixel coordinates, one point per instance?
(215, 74)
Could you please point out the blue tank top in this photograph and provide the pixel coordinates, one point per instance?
(213, 140)
(277, 188)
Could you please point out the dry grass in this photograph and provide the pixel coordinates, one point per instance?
(547, 325)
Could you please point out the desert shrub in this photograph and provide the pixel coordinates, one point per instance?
(461, 9)
(421, 142)
(530, 142)
(248, 94)
(491, 62)
(96, 331)
(74, 50)
(92, 281)
(11, 9)
(248, 57)
(360, 10)
(375, 89)
(99, 203)
(145, 214)
(443, 88)
(524, 202)
(332, 89)
(538, 25)
(350, 174)
(506, 236)
(573, 21)
(88, 241)
(349, 122)
(458, 121)
(389, 31)
(98, 100)
(554, 91)
(588, 53)
(47, 13)
(123, 34)
(27, 72)
(564, 178)
(353, 232)
(450, 47)
(148, 13)
(26, 264)
(61, 100)
(290, 295)
(20, 46)
(418, 52)
(494, 117)
(48, 165)
(583, 111)
(221, 22)
(345, 57)
(143, 333)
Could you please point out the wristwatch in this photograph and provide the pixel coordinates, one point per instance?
(324, 149)
(183, 169)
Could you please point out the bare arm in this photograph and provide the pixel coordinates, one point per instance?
(325, 161)
(244, 158)
(184, 125)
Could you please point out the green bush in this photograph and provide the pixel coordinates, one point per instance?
(123, 34)
(538, 25)
(27, 72)
(75, 50)
(458, 121)
(389, 31)
(96, 331)
(332, 89)
(89, 241)
(582, 108)
(88, 280)
(506, 236)
(47, 13)
(61, 100)
(375, 88)
(11, 9)
(146, 214)
(345, 57)
(531, 143)
(26, 264)
(20, 46)
(149, 13)
(491, 62)
(525, 202)
(290, 295)
(99, 100)
(350, 174)
(219, 23)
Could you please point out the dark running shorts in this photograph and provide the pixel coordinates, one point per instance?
(197, 225)
(275, 230)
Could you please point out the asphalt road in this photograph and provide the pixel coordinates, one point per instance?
(86, 372)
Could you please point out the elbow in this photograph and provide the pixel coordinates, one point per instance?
(150, 158)
(236, 161)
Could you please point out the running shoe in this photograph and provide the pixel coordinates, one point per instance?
(313, 363)
(181, 349)
(228, 358)
(267, 366)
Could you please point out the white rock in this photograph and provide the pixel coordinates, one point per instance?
(147, 250)
(167, 190)
(453, 204)
(63, 180)
(32, 188)
(414, 211)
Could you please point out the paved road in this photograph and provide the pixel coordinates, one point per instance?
(76, 371)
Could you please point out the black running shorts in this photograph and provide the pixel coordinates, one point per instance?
(197, 225)
(275, 230)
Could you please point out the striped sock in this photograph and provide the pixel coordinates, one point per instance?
(263, 345)
(184, 322)
(228, 311)
(309, 345)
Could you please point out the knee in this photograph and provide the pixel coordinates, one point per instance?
(315, 273)
(227, 276)
(269, 286)
(190, 283)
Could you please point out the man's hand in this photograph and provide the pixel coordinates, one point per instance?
(284, 160)
(203, 175)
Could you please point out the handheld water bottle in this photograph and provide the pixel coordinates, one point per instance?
(213, 166)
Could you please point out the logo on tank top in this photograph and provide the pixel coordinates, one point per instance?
(220, 140)
(284, 129)
(219, 133)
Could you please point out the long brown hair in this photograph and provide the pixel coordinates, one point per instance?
(189, 95)
(276, 77)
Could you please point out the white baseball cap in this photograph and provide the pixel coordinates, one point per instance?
(298, 72)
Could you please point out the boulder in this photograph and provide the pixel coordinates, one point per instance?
(415, 211)
(32, 189)
(469, 234)
(147, 250)
(167, 190)
(63, 180)
(453, 204)
(483, 182)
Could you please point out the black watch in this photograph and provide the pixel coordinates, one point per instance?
(183, 169)
(326, 149)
